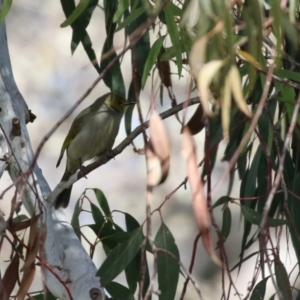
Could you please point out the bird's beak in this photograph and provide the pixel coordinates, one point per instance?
(130, 103)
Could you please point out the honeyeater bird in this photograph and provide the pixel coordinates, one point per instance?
(92, 132)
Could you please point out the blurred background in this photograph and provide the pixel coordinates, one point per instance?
(51, 80)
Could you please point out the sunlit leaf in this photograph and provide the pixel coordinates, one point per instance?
(122, 7)
(132, 17)
(226, 108)
(5, 7)
(204, 78)
(197, 55)
(236, 89)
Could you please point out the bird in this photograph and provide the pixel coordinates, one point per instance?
(92, 132)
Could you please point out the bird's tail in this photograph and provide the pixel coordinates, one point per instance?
(63, 198)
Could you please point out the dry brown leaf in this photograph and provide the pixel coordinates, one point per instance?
(197, 55)
(234, 80)
(247, 57)
(196, 123)
(10, 277)
(164, 70)
(37, 236)
(226, 109)
(20, 225)
(158, 151)
(204, 79)
(199, 200)
(154, 172)
(33, 243)
(26, 281)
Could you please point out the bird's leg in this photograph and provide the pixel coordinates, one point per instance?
(82, 169)
(110, 153)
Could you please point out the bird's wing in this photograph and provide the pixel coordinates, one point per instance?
(78, 124)
(75, 128)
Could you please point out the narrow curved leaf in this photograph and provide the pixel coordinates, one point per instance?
(204, 78)
(226, 223)
(282, 280)
(167, 267)
(113, 78)
(259, 290)
(255, 217)
(174, 35)
(75, 220)
(5, 9)
(102, 202)
(152, 57)
(122, 7)
(120, 257)
(79, 9)
(222, 200)
(118, 291)
(132, 17)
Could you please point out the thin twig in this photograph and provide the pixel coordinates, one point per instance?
(281, 166)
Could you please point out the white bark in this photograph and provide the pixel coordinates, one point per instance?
(62, 250)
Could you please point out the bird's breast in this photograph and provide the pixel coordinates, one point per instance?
(96, 136)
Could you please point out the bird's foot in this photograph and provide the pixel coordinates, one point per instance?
(83, 171)
(110, 153)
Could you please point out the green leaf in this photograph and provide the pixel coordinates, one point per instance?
(97, 214)
(132, 17)
(174, 35)
(113, 78)
(295, 76)
(222, 200)
(20, 218)
(167, 267)
(226, 223)
(132, 271)
(75, 220)
(6, 4)
(122, 7)
(152, 57)
(120, 257)
(118, 291)
(102, 202)
(259, 290)
(282, 280)
(131, 222)
(79, 26)
(79, 9)
(140, 54)
(255, 217)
